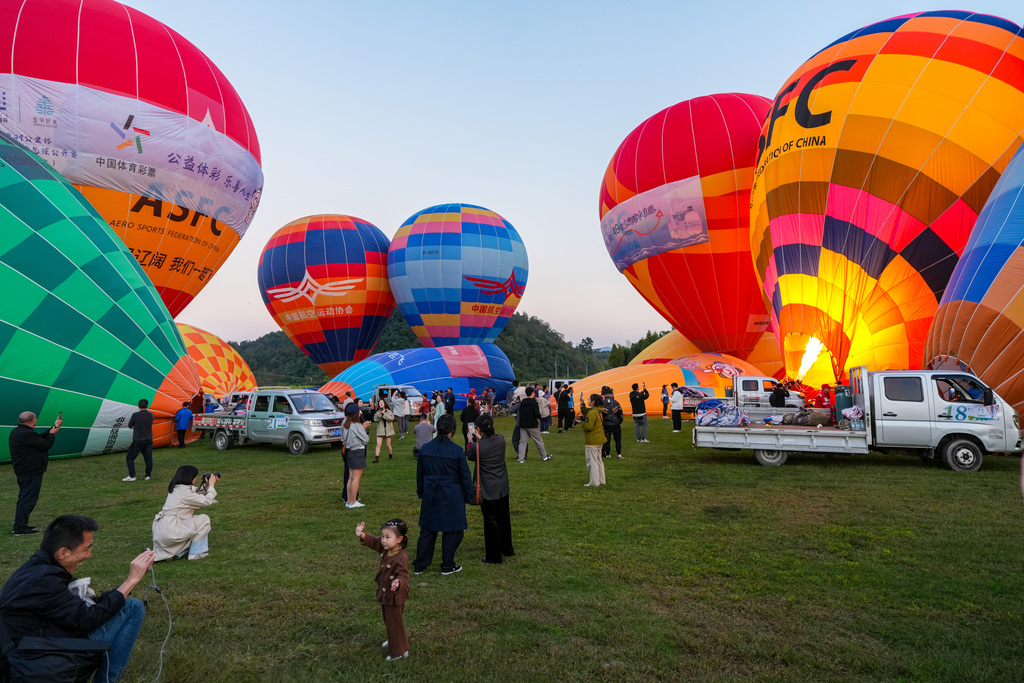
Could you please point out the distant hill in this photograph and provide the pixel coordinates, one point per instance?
(537, 353)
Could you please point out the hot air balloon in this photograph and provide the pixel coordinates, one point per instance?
(876, 158)
(144, 125)
(458, 272)
(461, 367)
(979, 324)
(222, 370)
(82, 330)
(324, 280)
(765, 355)
(709, 373)
(675, 218)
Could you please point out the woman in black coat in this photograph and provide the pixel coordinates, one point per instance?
(494, 488)
(469, 415)
(444, 484)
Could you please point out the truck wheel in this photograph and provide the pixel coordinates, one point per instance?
(297, 444)
(222, 440)
(770, 458)
(962, 455)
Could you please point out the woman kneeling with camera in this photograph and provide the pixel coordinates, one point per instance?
(176, 530)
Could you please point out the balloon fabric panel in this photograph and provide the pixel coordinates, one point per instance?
(873, 165)
(324, 280)
(83, 332)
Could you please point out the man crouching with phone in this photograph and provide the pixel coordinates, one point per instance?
(36, 599)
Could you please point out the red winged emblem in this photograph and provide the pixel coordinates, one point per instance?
(509, 286)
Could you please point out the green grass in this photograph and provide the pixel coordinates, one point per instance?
(689, 565)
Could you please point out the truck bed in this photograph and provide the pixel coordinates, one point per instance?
(783, 438)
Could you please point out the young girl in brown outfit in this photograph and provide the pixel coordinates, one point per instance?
(392, 581)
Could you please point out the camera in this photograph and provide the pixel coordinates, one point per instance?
(206, 477)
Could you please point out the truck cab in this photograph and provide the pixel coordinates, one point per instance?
(755, 392)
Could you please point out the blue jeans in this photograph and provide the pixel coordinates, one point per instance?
(121, 632)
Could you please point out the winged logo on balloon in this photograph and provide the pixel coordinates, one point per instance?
(311, 289)
(509, 286)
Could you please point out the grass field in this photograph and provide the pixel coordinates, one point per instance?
(689, 565)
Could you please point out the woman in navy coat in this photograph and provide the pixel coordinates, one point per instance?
(443, 484)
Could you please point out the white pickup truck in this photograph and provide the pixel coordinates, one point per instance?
(295, 417)
(937, 415)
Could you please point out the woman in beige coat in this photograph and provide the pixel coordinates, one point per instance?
(176, 530)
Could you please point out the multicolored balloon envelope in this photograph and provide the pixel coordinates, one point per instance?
(876, 158)
(82, 330)
(710, 373)
(458, 272)
(765, 355)
(461, 367)
(222, 370)
(980, 322)
(324, 279)
(144, 125)
(675, 218)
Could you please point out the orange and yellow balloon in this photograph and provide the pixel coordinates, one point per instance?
(222, 370)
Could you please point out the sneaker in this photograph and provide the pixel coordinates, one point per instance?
(620, 456)
(25, 532)
(675, 431)
(384, 644)
(129, 478)
(520, 461)
(607, 456)
(357, 504)
(544, 432)
(645, 441)
(545, 459)
(417, 572)
(588, 485)
(445, 572)
(391, 659)
(148, 478)
(198, 557)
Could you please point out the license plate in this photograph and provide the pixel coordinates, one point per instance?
(335, 432)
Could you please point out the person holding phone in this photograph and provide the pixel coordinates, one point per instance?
(29, 459)
(469, 415)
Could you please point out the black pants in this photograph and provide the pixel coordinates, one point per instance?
(181, 438)
(677, 420)
(28, 494)
(515, 440)
(664, 410)
(612, 432)
(497, 529)
(144, 447)
(564, 419)
(450, 542)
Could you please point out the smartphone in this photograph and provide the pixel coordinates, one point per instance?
(60, 415)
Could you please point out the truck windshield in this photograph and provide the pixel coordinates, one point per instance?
(312, 403)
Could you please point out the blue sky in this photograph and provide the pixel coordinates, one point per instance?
(379, 110)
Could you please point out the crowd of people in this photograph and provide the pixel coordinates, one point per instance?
(445, 484)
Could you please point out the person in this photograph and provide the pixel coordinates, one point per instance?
(182, 421)
(176, 530)
(638, 404)
(492, 473)
(529, 421)
(664, 401)
(562, 399)
(778, 397)
(141, 423)
(29, 459)
(356, 439)
(468, 416)
(544, 402)
(449, 401)
(345, 401)
(677, 409)
(37, 601)
(612, 423)
(400, 407)
(211, 406)
(594, 438)
(241, 406)
(392, 581)
(385, 420)
(444, 484)
(439, 409)
(423, 432)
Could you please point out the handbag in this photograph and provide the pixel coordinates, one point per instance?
(477, 495)
(42, 659)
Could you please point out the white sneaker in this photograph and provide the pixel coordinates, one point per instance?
(147, 478)
(675, 431)
(391, 659)
(128, 479)
(357, 504)
(384, 644)
(198, 557)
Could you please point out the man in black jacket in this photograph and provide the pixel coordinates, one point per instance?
(29, 458)
(141, 423)
(36, 599)
(612, 423)
(529, 426)
(638, 403)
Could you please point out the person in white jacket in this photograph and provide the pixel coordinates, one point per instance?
(677, 408)
(176, 529)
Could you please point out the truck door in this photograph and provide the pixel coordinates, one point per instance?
(750, 393)
(258, 418)
(277, 423)
(902, 416)
(960, 407)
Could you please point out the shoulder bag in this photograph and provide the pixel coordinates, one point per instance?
(42, 659)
